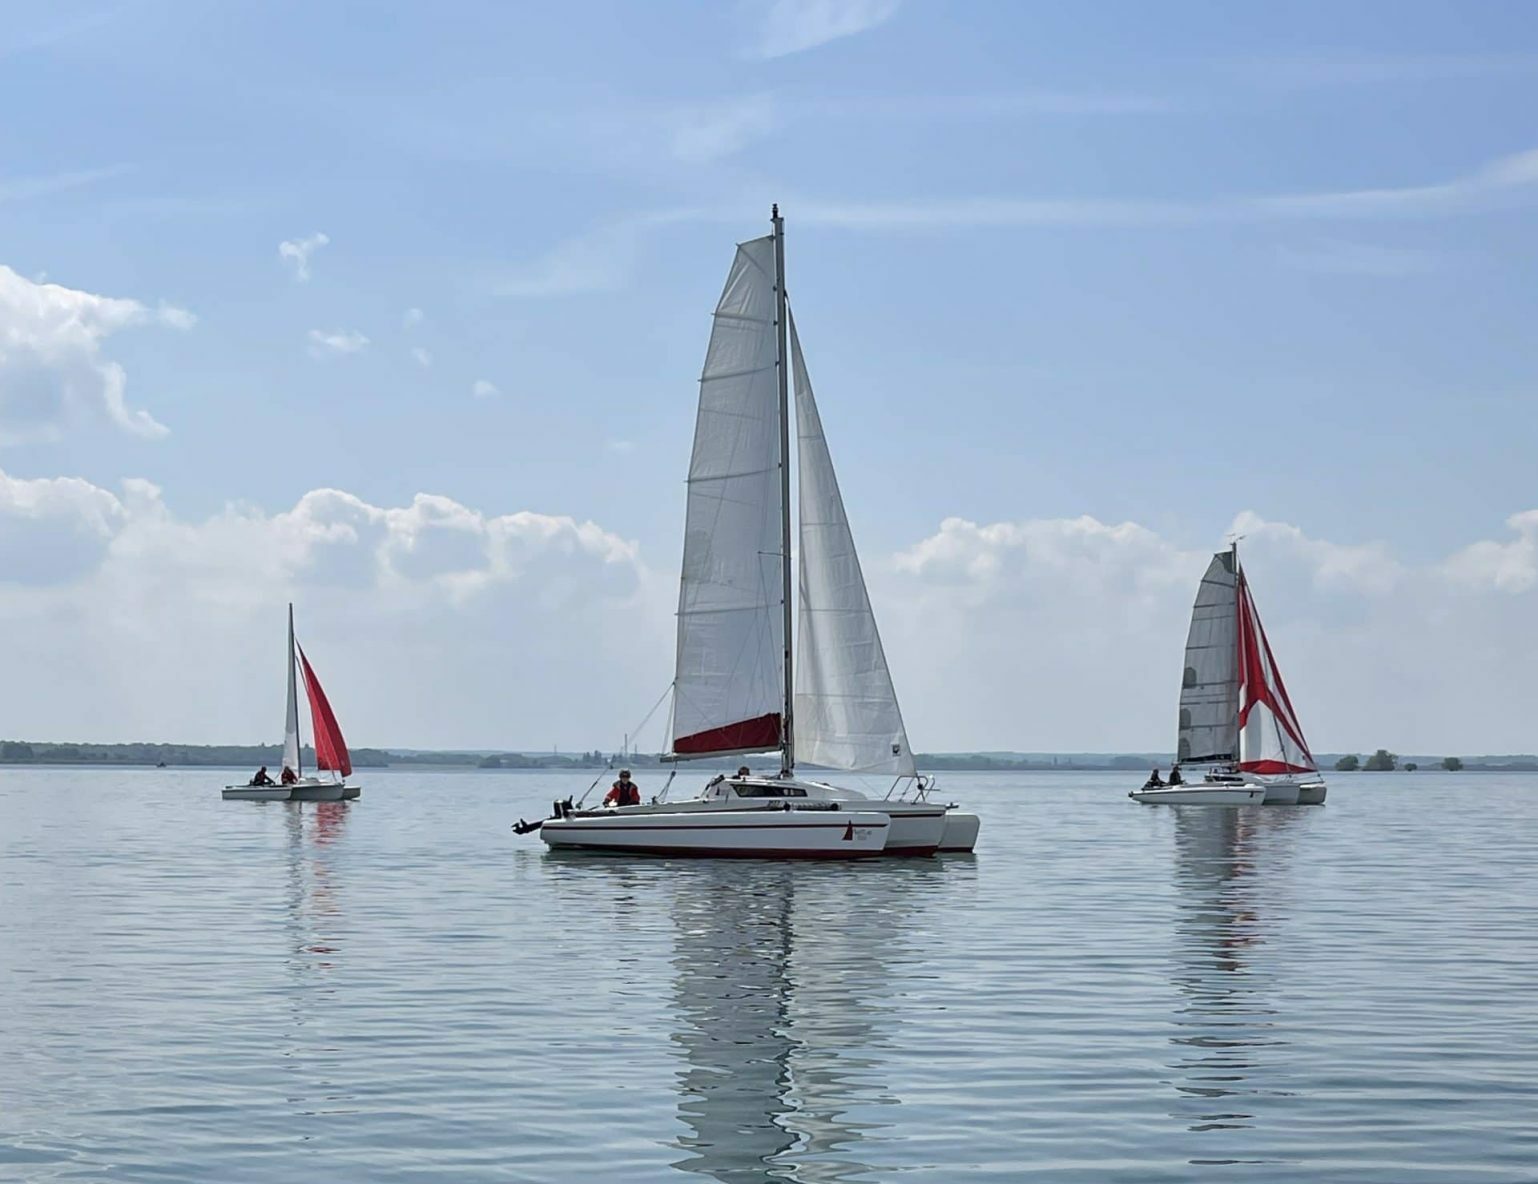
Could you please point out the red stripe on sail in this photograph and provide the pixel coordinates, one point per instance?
(1256, 688)
(747, 736)
(330, 748)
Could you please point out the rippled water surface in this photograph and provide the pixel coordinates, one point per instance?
(400, 989)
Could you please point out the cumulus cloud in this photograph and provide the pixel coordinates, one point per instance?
(336, 342)
(53, 374)
(482, 389)
(421, 356)
(296, 254)
(411, 318)
(790, 26)
(494, 621)
(1066, 634)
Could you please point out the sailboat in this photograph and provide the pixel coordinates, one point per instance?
(1235, 714)
(330, 748)
(737, 689)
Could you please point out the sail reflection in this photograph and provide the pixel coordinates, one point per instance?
(1226, 1018)
(781, 994)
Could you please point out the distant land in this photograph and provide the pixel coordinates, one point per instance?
(240, 756)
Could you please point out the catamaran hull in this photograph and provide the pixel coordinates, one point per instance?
(729, 834)
(1311, 793)
(1201, 795)
(255, 793)
(915, 829)
(1281, 793)
(351, 792)
(325, 791)
(960, 833)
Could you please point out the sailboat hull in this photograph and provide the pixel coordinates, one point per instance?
(322, 791)
(256, 793)
(1201, 795)
(960, 833)
(728, 834)
(1311, 793)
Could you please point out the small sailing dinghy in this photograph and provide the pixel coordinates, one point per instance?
(330, 748)
(736, 689)
(1235, 715)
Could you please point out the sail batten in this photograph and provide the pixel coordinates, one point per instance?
(846, 710)
(728, 695)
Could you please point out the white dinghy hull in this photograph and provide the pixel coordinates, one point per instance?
(1201, 795)
(724, 834)
(256, 793)
(318, 791)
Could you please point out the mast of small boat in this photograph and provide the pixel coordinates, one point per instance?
(293, 697)
(782, 369)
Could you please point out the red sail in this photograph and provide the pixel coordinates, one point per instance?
(330, 748)
(751, 735)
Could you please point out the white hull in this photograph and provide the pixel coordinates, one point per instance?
(317, 791)
(960, 831)
(1201, 795)
(740, 834)
(1311, 793)
(1281, 793)
(255, 793)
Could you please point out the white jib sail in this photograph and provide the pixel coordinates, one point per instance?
(1209, 685)
(728, 691)
(291, 720)
(846, 707)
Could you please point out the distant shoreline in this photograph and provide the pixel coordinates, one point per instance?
(42, 754)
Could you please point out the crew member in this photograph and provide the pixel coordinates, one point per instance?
(289, 776)
(623, 792)
(261, 777)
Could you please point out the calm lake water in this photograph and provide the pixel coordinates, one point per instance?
(400, 989)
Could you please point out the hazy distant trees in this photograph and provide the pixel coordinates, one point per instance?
(1348, 764)
(1452, 764)
(1410, 767)
(1382, 761)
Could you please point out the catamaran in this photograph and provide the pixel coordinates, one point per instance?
(330, 749)
(1235, 715)
(736, 689)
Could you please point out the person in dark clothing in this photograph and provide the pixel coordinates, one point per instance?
(261, 777)
(623, 792)
(1175, 777)
(1154, 781)
(289, 776)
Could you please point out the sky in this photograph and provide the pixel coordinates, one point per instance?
(397, 311)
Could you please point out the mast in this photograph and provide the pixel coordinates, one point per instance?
(293, 696)
(1233, 552)
(787, 736)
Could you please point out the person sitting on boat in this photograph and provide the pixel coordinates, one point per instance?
(1175, 778)
(742, 771)
(1154, 781)
(288, 777)
(262, 777)
(623, 792)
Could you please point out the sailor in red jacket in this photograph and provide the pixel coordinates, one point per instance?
(623, 792)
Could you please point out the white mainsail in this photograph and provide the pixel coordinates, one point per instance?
(846, 709)
(728, 691)
(1209, 686)
(291, 720)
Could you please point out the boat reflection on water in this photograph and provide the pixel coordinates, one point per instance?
(1226, 1018)
(784, 995)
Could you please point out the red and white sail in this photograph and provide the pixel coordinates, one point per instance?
(330, 749)
(728, 690)
(1270, 737)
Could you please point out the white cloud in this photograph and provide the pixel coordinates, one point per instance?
(411, 318)
(423, 358)
(53, 374)
(297, 252)
(790, 26)
(485, 613)
(482, 389)
(1510, 566)
(336, 342)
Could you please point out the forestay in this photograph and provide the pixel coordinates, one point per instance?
(1270, 738)
(728, 694)
(846, 709)
(1209, 686)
